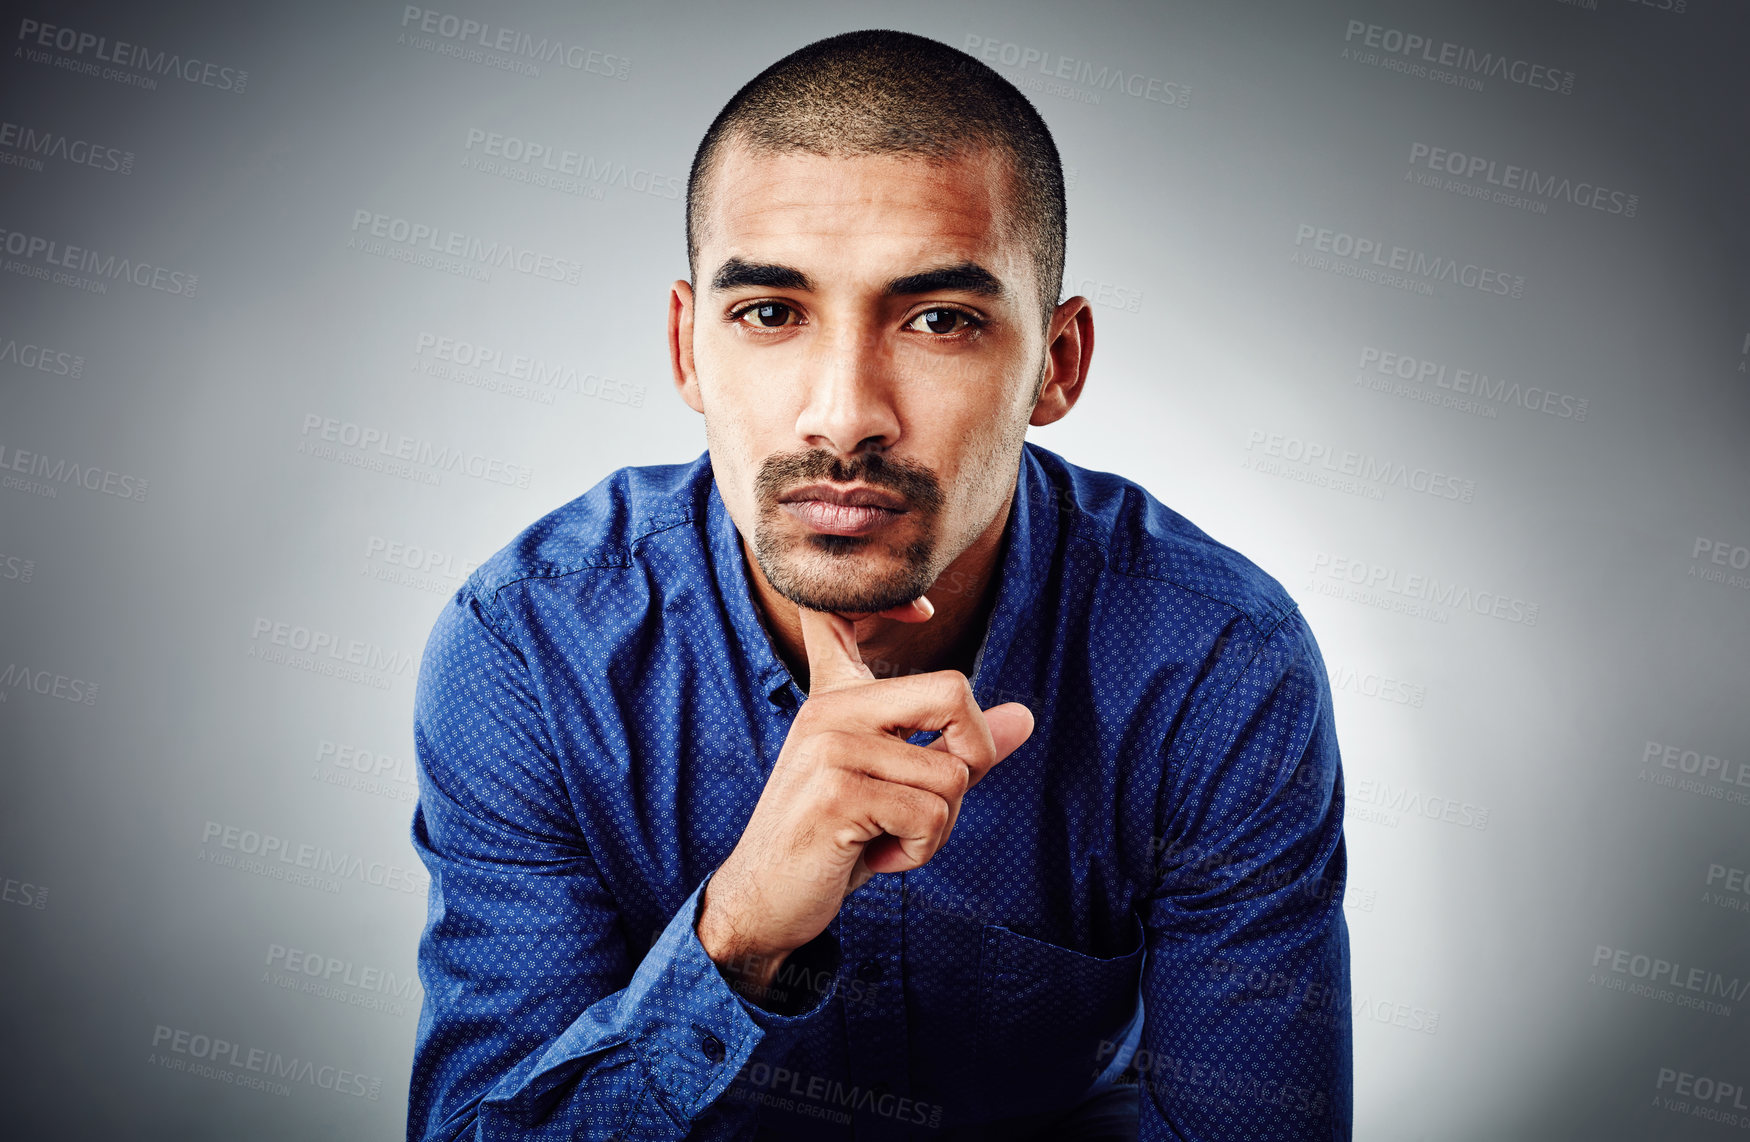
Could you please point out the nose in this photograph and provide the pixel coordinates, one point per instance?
(849, 405)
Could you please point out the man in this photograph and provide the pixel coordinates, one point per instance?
(738, 705)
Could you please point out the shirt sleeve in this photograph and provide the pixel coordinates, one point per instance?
(538, 1021)
(1246, 1031)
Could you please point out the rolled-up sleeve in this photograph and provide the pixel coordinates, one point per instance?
(1246, 983)
(537, 1022)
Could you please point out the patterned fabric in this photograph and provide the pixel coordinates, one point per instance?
(1148, 891)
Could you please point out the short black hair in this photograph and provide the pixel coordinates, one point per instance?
(883, 92)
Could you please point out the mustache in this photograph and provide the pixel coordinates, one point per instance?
(911, 481)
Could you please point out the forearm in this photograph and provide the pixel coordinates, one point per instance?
(651, 1057)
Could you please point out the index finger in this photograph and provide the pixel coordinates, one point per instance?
(834, 662)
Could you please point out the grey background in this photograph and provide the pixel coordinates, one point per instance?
(1486, 1003)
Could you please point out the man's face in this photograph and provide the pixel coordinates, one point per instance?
(866, 342)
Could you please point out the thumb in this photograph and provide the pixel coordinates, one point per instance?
(1010, 724)
(834, 662)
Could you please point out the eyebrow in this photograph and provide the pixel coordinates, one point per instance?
(739, 274)
(966, 277)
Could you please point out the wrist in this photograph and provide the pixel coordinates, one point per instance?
(749, 971)
(747, 963)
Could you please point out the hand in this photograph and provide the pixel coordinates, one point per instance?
(849, 796)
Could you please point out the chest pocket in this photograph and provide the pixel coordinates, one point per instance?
(1050, 1017)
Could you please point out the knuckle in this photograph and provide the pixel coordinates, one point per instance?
(945, 774)
(958, 775)
(831, 745)
(806, 787)
(953, 686)
(817, 714)
(831, 787)
(926, 810)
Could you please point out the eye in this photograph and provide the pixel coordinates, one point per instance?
(944, 321)
(765, 315)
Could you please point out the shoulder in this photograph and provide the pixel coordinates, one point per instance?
(1151, 549)
(600, 530)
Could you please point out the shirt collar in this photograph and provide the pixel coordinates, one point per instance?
(1028, 540)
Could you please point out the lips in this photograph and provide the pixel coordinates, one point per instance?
(842, 511)
(859, 495)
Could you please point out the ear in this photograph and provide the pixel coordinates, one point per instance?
(680, 345)
(1069, 348)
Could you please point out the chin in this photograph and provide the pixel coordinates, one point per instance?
(828, 585)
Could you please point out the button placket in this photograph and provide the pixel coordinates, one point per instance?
(871, 935)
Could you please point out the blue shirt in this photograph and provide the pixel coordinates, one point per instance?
(1148, 891)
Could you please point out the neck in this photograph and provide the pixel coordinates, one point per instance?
(962, 595)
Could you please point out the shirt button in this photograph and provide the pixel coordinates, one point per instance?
(712, 1046)
(870, 970)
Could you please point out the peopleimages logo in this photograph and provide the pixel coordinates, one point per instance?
(1694, 771)
(453, 251)
(1515, 186)
(1421, 595)
(398, 454)
(39, 473)
(334, 970)
(1091, 79)
(1351, 255)
(338, 980)
(1112, 294)
(1380, 802)
(1460, 384)
(133, 64)
(1735, 882)
(512, 50)
(1200, 1080)
(365, 762)
(821, 1096)
(1712, 557)
(16, 568)
(1702, 1096)
(316, 866)
(399, 565)
(1665, 980)
(298, 647)
(515, 374)
(27, 147)
(514, 154)
(20, 678)
(41, 358)
(1460, 65)
(353, 651)
(1371, 684)
(23, 893)
(49, 259)
(1381, 471)
(254, 1066)
(422, 560)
